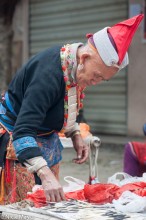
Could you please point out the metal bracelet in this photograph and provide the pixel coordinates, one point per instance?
(75, 133)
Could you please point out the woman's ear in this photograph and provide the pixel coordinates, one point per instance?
(83, 57)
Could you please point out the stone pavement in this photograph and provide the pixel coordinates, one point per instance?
(110, 161)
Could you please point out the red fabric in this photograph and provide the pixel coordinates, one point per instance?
(88, 35)
(100, 193)
(79, 194)
(140, 150)
(105, 193)
(97, 193)
(8, 173)
(38, 198)
(123, 32)
(2, 131)
(13, 195)
(138, 188)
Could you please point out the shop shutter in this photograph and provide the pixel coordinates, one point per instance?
(67, 21)
(1, 25)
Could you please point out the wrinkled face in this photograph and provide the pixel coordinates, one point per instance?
(94, 71)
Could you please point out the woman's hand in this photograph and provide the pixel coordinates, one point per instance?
(81, 148)
(52, 188)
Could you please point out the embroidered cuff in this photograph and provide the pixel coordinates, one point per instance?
(23, 143)
(34, 164)
(75, 128)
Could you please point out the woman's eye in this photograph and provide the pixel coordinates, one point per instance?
(96, 76)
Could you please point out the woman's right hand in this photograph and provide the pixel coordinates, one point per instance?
(52, 188)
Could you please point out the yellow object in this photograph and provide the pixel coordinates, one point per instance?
(2, 189)
(84, 129)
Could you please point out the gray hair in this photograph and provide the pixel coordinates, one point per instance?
(87, 48)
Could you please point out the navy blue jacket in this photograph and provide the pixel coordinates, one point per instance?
(37, 94)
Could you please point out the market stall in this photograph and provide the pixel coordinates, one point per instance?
(73, 210)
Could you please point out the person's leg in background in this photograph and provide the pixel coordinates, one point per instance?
(144, 129)
(134, 163)
(131, 164)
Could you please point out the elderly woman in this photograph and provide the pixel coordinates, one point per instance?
(45, 97)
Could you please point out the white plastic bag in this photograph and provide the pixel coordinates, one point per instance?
(35, 188)
(122, 178)
(73, 184)
(130, 202)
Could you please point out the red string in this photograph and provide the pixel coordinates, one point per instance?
(13, 196)
(8, 173)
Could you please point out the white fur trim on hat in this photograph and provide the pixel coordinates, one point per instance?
(106, 50)
(125, 61)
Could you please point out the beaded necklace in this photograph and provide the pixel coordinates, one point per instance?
(68, 63)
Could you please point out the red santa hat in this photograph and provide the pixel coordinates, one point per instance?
(113, 42)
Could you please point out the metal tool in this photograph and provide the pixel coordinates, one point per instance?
(93, 143)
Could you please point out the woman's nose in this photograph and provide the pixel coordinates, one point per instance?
(93, 82)
(96, 81)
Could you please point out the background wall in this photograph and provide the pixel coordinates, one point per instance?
(137, 82)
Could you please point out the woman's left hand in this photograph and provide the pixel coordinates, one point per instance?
(81, 148)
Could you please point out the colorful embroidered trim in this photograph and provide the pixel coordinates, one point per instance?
(23, 143)
(67, 62)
